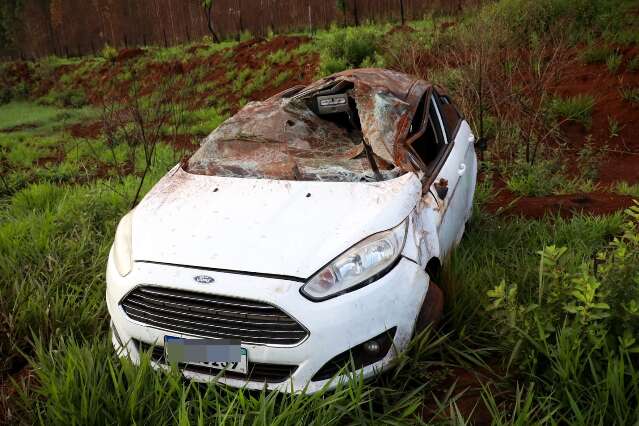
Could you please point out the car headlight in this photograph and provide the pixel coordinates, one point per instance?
(360, 265)
(122, 255)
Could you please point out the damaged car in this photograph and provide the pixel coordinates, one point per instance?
(300, 239)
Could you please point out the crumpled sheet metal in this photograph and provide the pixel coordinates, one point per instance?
(385, 120)
(284, 139)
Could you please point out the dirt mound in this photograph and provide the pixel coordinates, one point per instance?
(253, 52)
(621, 161)
(129, 53)
(595, 203)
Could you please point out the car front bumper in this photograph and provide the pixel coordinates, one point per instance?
(334, 325)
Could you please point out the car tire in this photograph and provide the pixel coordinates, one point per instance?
(432, 309)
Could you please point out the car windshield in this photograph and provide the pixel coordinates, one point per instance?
(319, 133)
(300, 146)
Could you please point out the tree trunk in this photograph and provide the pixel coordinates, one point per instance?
(209, 21)
(355, 13)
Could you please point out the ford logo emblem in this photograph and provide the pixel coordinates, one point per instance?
(204, 279)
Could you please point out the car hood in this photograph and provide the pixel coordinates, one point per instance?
(289, 228)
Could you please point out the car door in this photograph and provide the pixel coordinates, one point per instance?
(459, 169)
(441, 149)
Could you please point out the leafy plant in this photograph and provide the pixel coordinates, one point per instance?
(614, 128)
(109, 53)
(589, 158)
(348, 48)
(581, 322)
(576, 108)
(597, 54)
(541, 178)
(630, 94)
(613, 62)
(281, 56)
(624, 188)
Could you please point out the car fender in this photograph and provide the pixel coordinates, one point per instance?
(422, 243)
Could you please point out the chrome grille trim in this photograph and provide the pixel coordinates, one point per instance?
(206, 315)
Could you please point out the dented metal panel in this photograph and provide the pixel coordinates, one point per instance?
(286, 138)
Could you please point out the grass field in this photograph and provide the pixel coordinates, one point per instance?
(542, 311)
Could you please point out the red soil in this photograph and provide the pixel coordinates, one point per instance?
(466, 394)
(126, 54)
(621, 161)
(595, 203)
(56, 158)
(88, 131)
(187, 143)
(620, 153)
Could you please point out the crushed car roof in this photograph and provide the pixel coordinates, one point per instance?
(318, 132)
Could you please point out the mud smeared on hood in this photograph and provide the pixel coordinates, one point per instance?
(290, 137)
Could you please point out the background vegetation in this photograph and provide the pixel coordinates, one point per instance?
(541, 319)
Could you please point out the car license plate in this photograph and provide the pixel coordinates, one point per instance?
(222, 354)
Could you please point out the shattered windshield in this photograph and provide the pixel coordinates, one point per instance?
(320, 134)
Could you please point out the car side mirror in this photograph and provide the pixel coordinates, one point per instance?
(482, 144)
(442, 188)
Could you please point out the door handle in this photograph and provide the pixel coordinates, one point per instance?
(462, 169)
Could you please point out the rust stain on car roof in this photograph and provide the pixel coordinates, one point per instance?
(318, 132)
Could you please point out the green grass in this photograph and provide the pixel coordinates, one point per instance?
(281, 56)
(630, 94)
(41, 119)
(597, 54)
(575, 108)
(613, 62)
(624, 188)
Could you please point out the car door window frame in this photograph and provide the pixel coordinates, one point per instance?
(430, 173)
(439, 98)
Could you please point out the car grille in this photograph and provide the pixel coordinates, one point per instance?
(207, 315)
(257, 372)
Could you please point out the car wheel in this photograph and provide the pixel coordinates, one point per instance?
(432, 309)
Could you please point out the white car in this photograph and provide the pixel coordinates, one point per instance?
(302, 232)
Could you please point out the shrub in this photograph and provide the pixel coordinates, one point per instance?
(578, 19)
(109, 53)
(576, 335)
(575, 108)
(348, 48)
(67, 97)
(633, 64)
(598, 300)
(590, 159)
(542, 178)
(597, 54)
